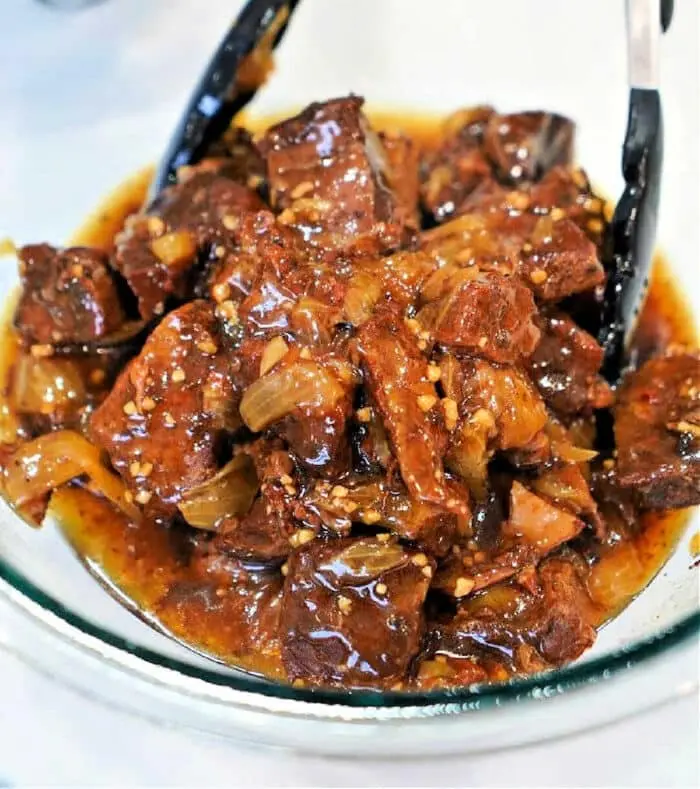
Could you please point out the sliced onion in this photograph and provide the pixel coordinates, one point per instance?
(41, 465)
(469, 455)
(304, 384)
(563, 447)
(273, 352)
(363, 293)
(566, 486)
(45, 385)
(230, 492)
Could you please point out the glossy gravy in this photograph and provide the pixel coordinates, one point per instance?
(148, 563)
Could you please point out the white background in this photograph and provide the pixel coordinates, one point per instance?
(122, 71)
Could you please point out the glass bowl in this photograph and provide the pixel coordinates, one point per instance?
(115, 115)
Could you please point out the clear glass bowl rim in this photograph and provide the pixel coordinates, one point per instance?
(148, 663)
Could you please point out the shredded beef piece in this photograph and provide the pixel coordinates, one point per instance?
(407, 401)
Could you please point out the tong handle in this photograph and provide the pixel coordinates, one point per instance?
(218, 96)
(629, 246)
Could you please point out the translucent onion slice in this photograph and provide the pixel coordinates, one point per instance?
(304, 384)
(41, 465)
(42, 386)
(230, 492)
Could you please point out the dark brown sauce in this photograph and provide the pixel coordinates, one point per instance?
(146, 562)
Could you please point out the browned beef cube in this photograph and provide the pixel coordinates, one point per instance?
(397, 376)
(565, 367)
(307, 402)
(657, 431)
(564, 191)
(548, 624)
(260, 241)
(534, 528)
(352, 611)
(162, 422)
(318, 437)
(484, 313)
(458, 165)
(327, 172)
(524, 145)
(269, 282)
(239, 158)
(513, 405)
(68, 296)
(499, 410)
(570, 190)
(269, 531)
(392, 281)
(385, 502)
(558, 260)
(157, 251)
(402, 155)
(549, 253)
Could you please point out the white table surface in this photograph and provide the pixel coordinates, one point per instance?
(50, 735)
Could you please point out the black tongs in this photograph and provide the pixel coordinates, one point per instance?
(221, 93)
(630, 242)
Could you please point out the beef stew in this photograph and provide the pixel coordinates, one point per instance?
(355, 444)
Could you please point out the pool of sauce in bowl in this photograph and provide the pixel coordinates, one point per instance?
(148, 563)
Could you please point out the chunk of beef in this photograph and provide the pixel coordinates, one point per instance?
(565, 367)
(559, 260)
(450, 172)
(562, 192)
(516, 410)
(569, 189)
(534, 528)
(68, 296)
(238, 158)
(657, 432)
(162, 422)
(270, 283)
(487, 241)
(307, 402)
(352, 611)
(386, 503)
(550, 253)
(269, 530)
(157, 250)
(498, 410)
(402, 155)
(259, 242)
(549, 625)
(392, 281)
(317, 435)
(484, 313)
(327, 172)
(397, 376)
(525, 145)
